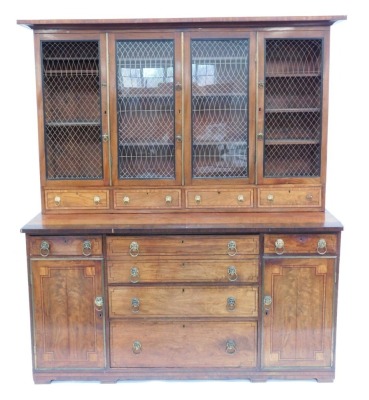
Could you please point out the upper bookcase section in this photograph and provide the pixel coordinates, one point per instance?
(244, 22)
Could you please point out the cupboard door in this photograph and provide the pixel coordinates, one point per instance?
(67, 313)
(298, 312)
(146, 114)
(72, 78)
(293, 78)
(218, 109)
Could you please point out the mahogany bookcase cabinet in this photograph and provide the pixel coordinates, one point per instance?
(183, 231)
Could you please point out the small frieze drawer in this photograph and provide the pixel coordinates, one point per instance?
(189, 301)
(290, 197)
(139, 271)
(149, 199)
(183, 344)
(53, 246)
(77, 199)
(309, 243)
(178, 246)
(220, 198)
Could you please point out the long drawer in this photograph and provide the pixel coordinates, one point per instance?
(184, 301)
(238, 270)
(182, 245)
(194, 344)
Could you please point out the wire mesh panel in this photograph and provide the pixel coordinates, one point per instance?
(293, 106)
(145, 104)
(72, 112)
(220, 70)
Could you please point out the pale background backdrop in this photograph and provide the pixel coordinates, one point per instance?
(347, 196)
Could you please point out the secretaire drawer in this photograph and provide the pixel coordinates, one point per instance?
(182, 245)
(77, 199)
(194, 344)
(189, 301)
(142, 271)
(309, 243)
(150, 198)
(284, 197)
(49, 246)
(220, 198)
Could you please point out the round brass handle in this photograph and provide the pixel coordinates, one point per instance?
(309, 197)
(125, 200)
(197, 199)
(135, 305)
(232, 273)
(279, 246)
(134, 249)
(231, 303)
(86, 248)
(99, 302)
(168, 200)
(270, 198)
(57, 200)
(97, 200)
(231, 347)
(240, 198)
(321, 247)
(232, 248)
(136, 347)
(44, 248)
(135, 275)
(260, 136)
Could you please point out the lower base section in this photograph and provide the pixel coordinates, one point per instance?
(115, 376)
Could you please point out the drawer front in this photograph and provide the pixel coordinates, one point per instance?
(182, 245)
(132, 271)
(276, 197)
(77, 199)
(172, 301)
(155, 199)
(50, 246)
(222, 198)
(311, 244)
(183, 344)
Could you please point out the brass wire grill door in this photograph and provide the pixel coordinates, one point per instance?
(145, 107)
(72, 110)
(220, 73)
(293, 108)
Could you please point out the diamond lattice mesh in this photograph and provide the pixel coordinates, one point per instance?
(145, 105)
(293, 95)
(71, 93)
(220, 108)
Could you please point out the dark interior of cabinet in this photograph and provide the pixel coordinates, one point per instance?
(72, 109)
(293, 107)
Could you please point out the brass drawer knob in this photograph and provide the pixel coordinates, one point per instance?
(135, 275)
(134, 249)
(125, 200)
(240, 198)
(270, 198)
(97, 200)
(231, 303)
(279, 246)
(321, 247)
(136, 347)
(232, 273)
(86, 248)
(231, 347)
(232, 248)
(168, 200)
(57, 200)
(197, 199)
(44, 248)
(309, 197)
(135, 305)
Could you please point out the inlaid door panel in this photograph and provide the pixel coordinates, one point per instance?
(298, 312)
(67, 313)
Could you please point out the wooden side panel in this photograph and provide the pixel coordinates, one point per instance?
(183, 344)
(68, 330)
(298, 324)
